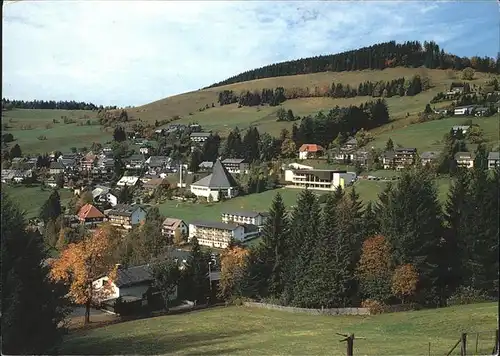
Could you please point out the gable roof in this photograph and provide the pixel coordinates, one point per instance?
(171, 223)
(246, 214)
(494, 155)
(310, 147)
(88, 211)
(429, 155)
(124, 210)
(233, 160)
(126, 277)
(216, 225)
(464, 155)
(220, 178)
(56, 165)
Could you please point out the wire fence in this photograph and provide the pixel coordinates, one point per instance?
(473, 343)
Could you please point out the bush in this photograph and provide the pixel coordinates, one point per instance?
(374, 306)
(467, 295)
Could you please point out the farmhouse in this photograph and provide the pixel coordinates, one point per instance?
(7, 175)
(245, 217)
(465, 159)
(126, 216)
(90, 216)
(127, 181)
(157, 163)
(388, 159)
(320, 179)
(219, 182)
(104, 195)
(171, 226)
(135, 162)
(236, 165)
(56, 168)
(429, 157)
(217, 234)
(309, 150)
(200, 136)
(404, 157)
(493, 160)
(154, 183)
(206, 166)
(87, 162)
(463, 110)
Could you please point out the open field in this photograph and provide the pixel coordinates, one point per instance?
(224, 118)
(252, 331)
(27, 125)
(30, 199)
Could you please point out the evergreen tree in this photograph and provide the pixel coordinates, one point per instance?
(194, 160)
(389, 146)
(274, 234)
(119, 134)
(125, 195)
(51, 209)
(15, 151)
(412, 225)
(371, 225)
(197, 272)
(250, 144)
(32, 307)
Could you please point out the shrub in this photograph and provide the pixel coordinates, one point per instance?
(467, 295)
(374, 306)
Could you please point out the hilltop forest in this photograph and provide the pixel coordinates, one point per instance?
(379, 56)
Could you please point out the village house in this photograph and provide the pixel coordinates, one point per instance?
(157, 163)
(104, 195)
(308, 150)
(219, 182)
(206, 166)
(463, 110)
(429, 157)
(462, 129)
(56, 168)
(387, 158)
(171, 226)
(152, 184)
(7, 175)
(465, 159)
(245, 217)
(236, 165)
(127, 181)
(87, 162)
(493, 160)
(361, 157)
(126, 216)
(404, 157)
(217, 234)
(144, 149)
(20, 175)
(90, 216)
(200, 137)
(481, 111)
(135, 162)
(51, 182)
(319, 179)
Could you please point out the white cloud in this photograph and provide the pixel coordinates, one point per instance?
(130, 53)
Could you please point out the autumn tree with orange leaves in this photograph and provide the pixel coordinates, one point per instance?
(82, 263)
(233, 266)
(404, 281)
(374, 269)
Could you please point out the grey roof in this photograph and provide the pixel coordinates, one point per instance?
(494, 155)
(246, 214)
(133, 275)
(429, 155)
(206, 164)
(136, 158)
(233, 160)
(388, 154)
(124, 210)
(405, 149)
(156, 161)
(56, 165)
(201, 134)
(68, 162)
(220, 178)
(352, 141)
(216, 225)
(464, 155)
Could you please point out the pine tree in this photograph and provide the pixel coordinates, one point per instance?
(389, 146)
(32, 307)
(197, 272)
(274, 234)
(371, 225)
(51, 209)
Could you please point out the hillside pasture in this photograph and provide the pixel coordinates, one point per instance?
(27, 125)
(252, 331)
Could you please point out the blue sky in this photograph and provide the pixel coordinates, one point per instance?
(132, 53)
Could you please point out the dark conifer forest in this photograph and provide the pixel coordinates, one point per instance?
(411, 54)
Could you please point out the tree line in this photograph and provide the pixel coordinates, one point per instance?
(412, 54)
(341, 254)
(51, 104)
(399, 86)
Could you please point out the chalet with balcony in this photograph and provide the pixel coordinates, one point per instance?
(171, 226)
(217, 234)
(136, 162)
(493, 160)
(387, 159)
(90, 216)
(56, 168)
(465, 159)
(236, 165)
(87, 162)
(463, 110)
(126, 216)
(200, 137)
(404, 157)
(310, 150)
(319, 179)
(429, 157)
(245, 217)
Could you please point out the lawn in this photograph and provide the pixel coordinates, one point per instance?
(27, 125)
(251, 331)
(30, 199)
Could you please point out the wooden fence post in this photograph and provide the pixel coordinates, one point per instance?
(496, 348)
(349, 339)
(463, 348)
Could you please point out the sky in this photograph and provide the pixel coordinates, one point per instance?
(129, 53)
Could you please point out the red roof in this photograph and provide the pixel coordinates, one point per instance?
(310, 147)
(88, 211)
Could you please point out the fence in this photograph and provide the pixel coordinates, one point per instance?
(475, 343)
(333, 311)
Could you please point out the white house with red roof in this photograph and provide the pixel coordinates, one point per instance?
(309, 150)
(90, 215)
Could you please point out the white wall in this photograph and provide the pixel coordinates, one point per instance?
(303, 154)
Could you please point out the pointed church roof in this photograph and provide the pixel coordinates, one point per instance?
(220, 178)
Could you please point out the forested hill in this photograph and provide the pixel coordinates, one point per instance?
(379, 56)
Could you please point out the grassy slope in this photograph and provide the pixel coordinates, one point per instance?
(59, 137)
(31, 199)
(224, 118)
(249, 331)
